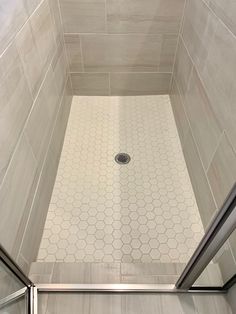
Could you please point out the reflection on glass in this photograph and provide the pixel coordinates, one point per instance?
(8, 281)
(19, 306)
(222, 267)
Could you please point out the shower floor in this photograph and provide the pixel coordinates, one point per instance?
(100, 211)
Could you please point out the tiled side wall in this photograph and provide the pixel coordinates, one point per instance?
(35, 98)
(121, 47)
(203, 98)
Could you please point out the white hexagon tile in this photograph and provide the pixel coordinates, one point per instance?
(100, 211)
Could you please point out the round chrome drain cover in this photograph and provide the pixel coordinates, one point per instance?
(122, 158)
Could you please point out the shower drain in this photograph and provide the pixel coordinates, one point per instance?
(122, 158)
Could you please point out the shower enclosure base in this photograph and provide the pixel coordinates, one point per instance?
(140, 212)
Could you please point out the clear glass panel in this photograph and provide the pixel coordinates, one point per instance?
(18, 306)
(9, 283)
(222, 267)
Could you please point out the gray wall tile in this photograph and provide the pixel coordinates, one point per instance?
(33, 75)
(42, 26)
(121, 36)
(204, 124)
(16, 101)
(139, 83)
(83, 16)
(201, 187)
(14, 192)
(179, 112)
(226, 11)
(208, 46)
(13, 15)
(116, 53)
(73, 48)
(29, 54)
(90, 83)
(222, 171)
(150, 17)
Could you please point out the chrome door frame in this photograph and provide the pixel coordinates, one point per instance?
(221, 227)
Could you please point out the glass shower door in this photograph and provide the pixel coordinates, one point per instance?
(14, 289)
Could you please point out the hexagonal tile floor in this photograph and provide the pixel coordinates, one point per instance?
(100, 211)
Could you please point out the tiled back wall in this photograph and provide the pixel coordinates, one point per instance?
(35, 100)
(203, 98)
(121, 47)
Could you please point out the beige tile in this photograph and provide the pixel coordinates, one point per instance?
(28, 51)
(151, 17)
(226, 262)
(140, 83)
(151, 269)
(198, 31)
(56, 21)
(179, 112)
(42, 27)
(31, 5)
(151, 303)
(64, 303)
(225, 11)
(40, 122)
(83, 16)
(213, 47)
(60, 70)
(142, 279)
(73, 47)
(16, 101)
(90, 83)
(205, 201)
(86, 273)
(12, 16)
(32, 236)
(168, 49)
(211, 303)
(106, 304)
(14, 192)
(222, 171)
(182, 69)
(117, 53)
(205, 126)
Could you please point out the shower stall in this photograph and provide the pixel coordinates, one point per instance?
(117, 152)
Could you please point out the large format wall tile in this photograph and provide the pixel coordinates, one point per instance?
(106, 36)
(226, 11)
(205, 126)
(90, 83)
(222, 171)
(208, 46)
(32, 236)
(183, 68)
(73, 47)
(28, 51)
(15, 104)
(179, 112)
(129, 53)
(140, 83)
(212, 48)
(13, 14)
(42, 26)
(83, 16)
(40, 122)
(150, 16)
(201, 187)
(33, 74)
(15, 191)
